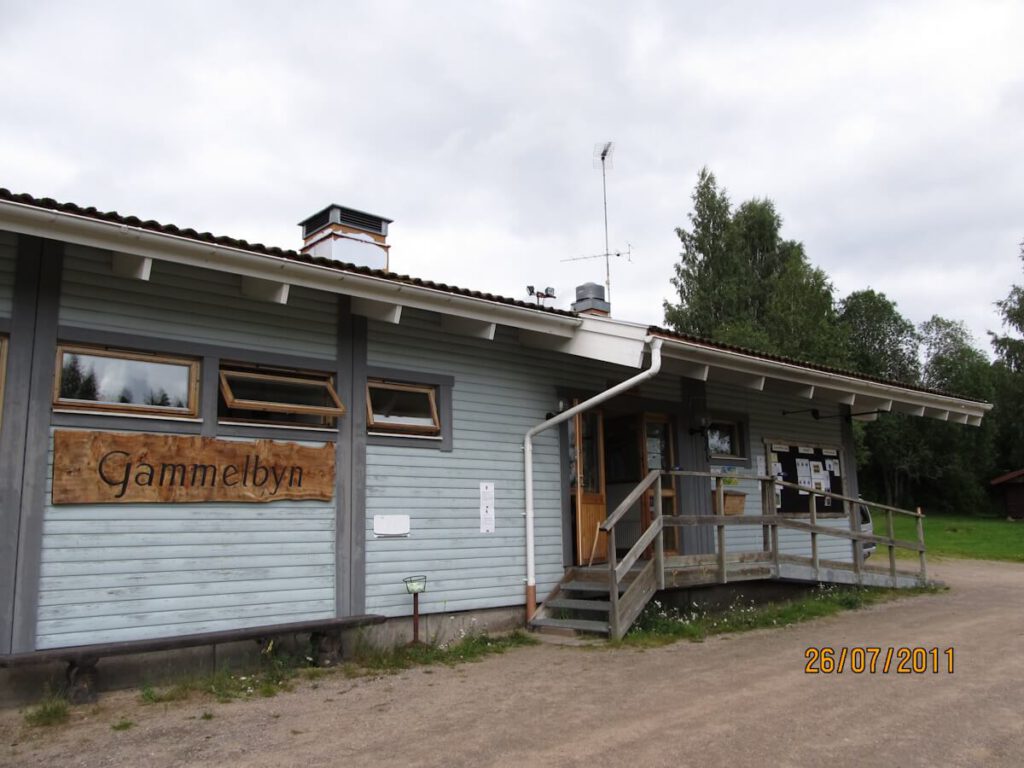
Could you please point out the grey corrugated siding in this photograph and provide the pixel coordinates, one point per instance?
(125, 572)
(180, 302)
(8, 251)
(767, 423)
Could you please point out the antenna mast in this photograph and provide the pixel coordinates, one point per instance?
(603, 153)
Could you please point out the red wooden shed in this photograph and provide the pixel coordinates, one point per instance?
(1012, 486)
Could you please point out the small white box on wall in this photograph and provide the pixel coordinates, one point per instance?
(390, 525)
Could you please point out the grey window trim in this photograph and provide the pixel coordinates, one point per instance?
(74, 335)
(444, 385)
(278, 433)
(5, 325)
(742, 422)
(116, 422)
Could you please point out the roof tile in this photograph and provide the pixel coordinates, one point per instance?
(191, 234)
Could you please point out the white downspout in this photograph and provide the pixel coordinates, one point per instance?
(531, 571)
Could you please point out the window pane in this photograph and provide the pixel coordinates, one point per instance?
(722, 439)
(283, 398)
(118, 381)
(401, 407)
(287, 392)
(591, 452)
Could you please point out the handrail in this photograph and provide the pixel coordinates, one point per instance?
(850, 499)
(629, 501)
(789, 523)
(621, 616)
(815, 491)
(643, 542)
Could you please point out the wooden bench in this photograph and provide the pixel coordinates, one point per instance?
(83, 676)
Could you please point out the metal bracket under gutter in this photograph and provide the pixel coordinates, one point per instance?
(608, 394)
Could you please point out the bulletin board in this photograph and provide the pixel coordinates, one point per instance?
(811, 466)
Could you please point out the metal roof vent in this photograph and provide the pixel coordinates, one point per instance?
(590, 300)
(348, 236)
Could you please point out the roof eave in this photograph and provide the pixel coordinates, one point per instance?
(119, 237)
(860, 394)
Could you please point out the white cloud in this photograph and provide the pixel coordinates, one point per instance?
(888, 135)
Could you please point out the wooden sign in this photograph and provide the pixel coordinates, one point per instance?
(136, 468)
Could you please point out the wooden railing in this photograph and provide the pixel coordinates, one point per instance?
(626, 607)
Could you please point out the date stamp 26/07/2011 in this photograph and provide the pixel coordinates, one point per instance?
(876, 659)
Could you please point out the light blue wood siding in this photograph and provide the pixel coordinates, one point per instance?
(8, 252)
(496, 398)
(767, 423)
(190, 304)
(128, 572)
(501, 390)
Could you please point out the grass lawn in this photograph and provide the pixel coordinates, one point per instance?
(982, 538)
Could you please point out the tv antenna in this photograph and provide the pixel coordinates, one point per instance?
(603, 157)
(628, 254)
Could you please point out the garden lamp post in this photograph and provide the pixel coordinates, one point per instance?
(414, 585)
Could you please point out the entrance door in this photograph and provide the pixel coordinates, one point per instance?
(658, 452)
(586, 433)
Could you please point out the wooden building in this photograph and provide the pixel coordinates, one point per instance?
(1011, 486)
(202, 434)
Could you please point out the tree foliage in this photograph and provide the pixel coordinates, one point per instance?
(880, 341)
(1011, 348)
(739, 282)
(76, 383)
(1008, 414)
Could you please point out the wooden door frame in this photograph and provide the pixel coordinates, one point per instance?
(670, 420)
(581, 552)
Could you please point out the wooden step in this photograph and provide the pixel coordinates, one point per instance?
(581, 625)
(590, 586)
(579, 605)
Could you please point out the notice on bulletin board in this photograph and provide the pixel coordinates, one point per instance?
(818, 470)
(486, 507)
(803, 474)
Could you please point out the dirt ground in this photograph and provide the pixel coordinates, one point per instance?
(734, 700)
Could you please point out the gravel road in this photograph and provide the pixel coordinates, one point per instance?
(733, 701)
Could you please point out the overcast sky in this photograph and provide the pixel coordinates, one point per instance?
(889, 135)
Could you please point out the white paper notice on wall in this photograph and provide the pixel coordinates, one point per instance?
(390, 525)
(486, 507)
(761, 467)
(803, 474)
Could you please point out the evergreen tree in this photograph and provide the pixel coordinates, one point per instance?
(1008, 414)
(740, 283)
(880, 341)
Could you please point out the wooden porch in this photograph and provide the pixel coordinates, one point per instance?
(608, 598)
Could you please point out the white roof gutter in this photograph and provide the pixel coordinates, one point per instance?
(113, 236)
(608, 394)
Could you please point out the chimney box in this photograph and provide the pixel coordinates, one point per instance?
(590, 300)
(347, 235)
